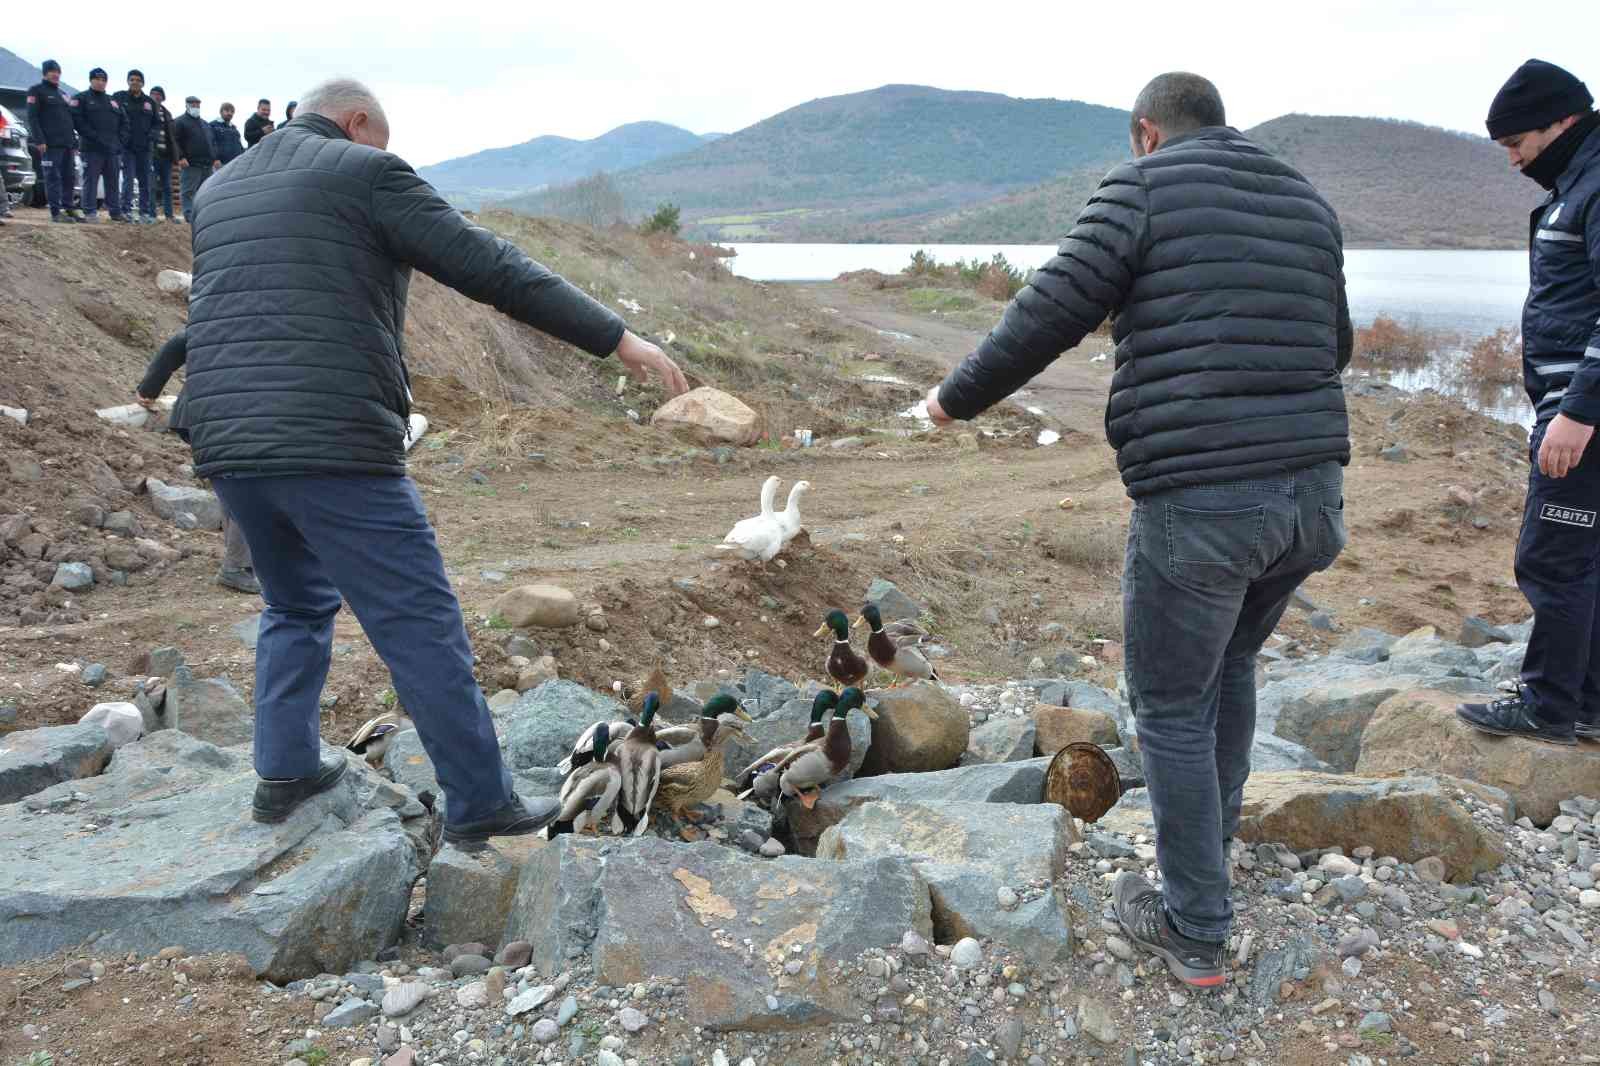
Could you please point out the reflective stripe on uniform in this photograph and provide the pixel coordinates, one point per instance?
(1558, 235)
(1553, 394)
(1558, 368)
(1591, 353)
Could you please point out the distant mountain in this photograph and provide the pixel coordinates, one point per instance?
(498, 173)
(834, 167)
(1394, 184)
(18, 73)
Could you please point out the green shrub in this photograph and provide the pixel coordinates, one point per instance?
(665, 220)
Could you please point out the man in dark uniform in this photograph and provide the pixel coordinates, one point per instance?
(1544, 118)
(162, 139)
(143, 118)
(102, 135)
(226, 136)
(50, 122)
(259, 124)
(197, 154)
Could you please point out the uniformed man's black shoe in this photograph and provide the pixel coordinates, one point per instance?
(1514, 717)
(68, 219)
(1587, 729)
(276, 800)
(518, 818)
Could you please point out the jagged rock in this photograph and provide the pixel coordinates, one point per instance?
(537, 673)
(892, 604)
(177, 860)
(407, 762)
(1002, 739)
(1409, 818)
(765, 693)
(1012, 782)
(544, 606)
(1477, 633)
(470, 893)
(161, 662)
(170, 501)
(787, 725)
(967, 852)
(1059, 726)
(1278, 968)
(31, 760)
(1425, 654)
(1418, 731)
(123, 722)
(712, 415)
(919, 728)
(1328, 721)
(74, 577)
(1366, 646)
(649, 910)
(248, 631)
(210, 710)
(1131, 816)
(542, 725)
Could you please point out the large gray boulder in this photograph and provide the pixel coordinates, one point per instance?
(967, 852)
(919, 728)
(170, 501)
(729, 925)
(1011, 782)
(470, 892)
(210, 710)
(1328, 721)
(176, 860)
(893, 604)
(1004, 738)
(32, 760)
(786, 725)
(542, 725)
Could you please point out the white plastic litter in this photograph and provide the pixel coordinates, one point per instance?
(17, 414)
(174, 281)
(419, 426)
(132, 415)
(1048, 436)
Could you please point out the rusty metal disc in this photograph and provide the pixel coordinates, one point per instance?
(1084, 780)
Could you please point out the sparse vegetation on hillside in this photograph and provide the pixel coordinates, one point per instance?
(995, 278)
(1386, 344)
(665, 220)
(1496, 359)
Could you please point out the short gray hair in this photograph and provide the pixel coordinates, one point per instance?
(338, 97)
(1178, 102)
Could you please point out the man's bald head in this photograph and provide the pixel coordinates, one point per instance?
(352, 107)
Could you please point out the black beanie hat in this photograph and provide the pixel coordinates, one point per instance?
(1539, 94)
(98, 72)
(49, 65)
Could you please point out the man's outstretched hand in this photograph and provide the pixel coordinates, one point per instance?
(1563, 446)
(936, 413)
(640, 359)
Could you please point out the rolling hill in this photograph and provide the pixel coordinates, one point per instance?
(18, 73)
(828, 168)
(498, 173)
(1394, 184)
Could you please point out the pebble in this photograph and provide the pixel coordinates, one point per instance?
(1589, 899)
(1338, 866)
(773, 848)
(913, 943)
(632, 1020)
(606, 1057)
(567, 1011)
(473, 997)
(1007, 898)
(532, 999)
(966, 954)
(1471, 951)
(1121, 949)
(545, 1031)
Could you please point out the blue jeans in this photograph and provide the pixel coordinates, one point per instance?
(367, 538)
(56, 163)
(163, 172)
(1558, 570)
(98, 165)
(136, 169)
(1208, 575)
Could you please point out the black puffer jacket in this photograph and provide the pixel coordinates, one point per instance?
(303, 249)
(1225, 270)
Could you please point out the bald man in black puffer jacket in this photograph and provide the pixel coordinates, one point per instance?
(1224, 270)
(296, 404)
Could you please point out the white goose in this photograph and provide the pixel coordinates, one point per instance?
(759, 537)
(790, 516)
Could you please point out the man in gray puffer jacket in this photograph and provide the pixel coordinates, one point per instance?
(1225, 272)
(296, 404)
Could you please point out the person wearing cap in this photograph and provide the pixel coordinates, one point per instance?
(164, 138)
(288, 112)
(197, 154)
(102, 135)
(143, 118)
(1545, 120)
(50, 122)
(259, 124)
(225, 135)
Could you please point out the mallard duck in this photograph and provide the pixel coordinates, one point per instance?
(759, 780)
(760, 537)
(804, 772)
(905, 632)
(688, 743)
(687, 783)
(588, 794)
(640, 765)
(902, 661)
(372, 740)
(844, 664)
(789, 517)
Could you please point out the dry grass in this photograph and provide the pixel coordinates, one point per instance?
(1497, 358)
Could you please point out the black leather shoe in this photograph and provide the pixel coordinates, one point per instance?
(1587, 729)
(239, 581)
(518, 818)
(1514, 717)
(276, 800)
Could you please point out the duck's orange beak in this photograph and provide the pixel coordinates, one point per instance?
(809, 799)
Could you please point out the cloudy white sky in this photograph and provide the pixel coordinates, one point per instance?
(456, 79)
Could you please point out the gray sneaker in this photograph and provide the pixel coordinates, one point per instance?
(239, 581)
(1143, 916)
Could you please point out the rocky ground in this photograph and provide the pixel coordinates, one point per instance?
(932, 910)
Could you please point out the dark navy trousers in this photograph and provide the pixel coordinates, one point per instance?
(136, 169)
(367, 538)
(100, 168)
(59, 179)
(1558, 570)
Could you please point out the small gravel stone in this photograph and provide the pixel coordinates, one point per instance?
(632, 1020)
(545, 1031)
(913, 943)
(966, 955)
(567, 1011)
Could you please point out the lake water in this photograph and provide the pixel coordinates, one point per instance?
(1464, 292)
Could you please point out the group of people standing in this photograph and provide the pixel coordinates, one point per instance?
(130, 135)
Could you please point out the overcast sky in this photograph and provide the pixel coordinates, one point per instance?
(458, 79)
